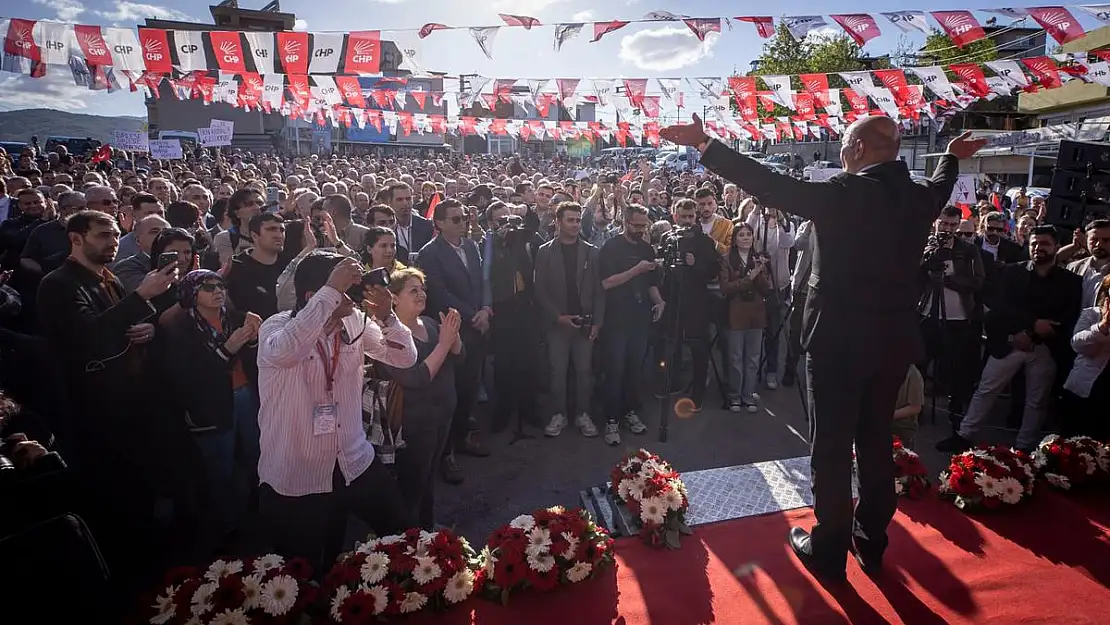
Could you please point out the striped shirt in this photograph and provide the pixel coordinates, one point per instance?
(291, 383)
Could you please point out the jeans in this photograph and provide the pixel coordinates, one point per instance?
(247, 433)
(1040, 374)
(566, 345)
(624, 344)
(743, 361)
(776, 308)
(227, 490)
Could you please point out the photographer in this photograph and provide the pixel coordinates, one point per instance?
(572, 302)
(774, 238)
(952, 276)
(508, 278)
(691, 262)
(745, 284)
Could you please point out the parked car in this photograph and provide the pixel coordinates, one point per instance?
(818, 165)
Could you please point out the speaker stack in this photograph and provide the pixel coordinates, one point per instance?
(1080, 185)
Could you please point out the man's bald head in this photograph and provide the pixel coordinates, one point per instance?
(869, 141)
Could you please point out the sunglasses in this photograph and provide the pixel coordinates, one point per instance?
(212, 287)
(966, 235)
(458, 219)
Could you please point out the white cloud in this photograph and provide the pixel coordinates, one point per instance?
(68, 10)
(56, 90)
(300, 24)
(583, 16)
(665, 49)
(133, 12)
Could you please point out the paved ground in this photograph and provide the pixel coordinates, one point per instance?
(546, 471)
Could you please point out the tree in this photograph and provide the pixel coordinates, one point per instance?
(939, 50)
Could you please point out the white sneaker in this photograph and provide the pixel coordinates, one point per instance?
(772, 381)
(735, 406)
(555, 427)
(633, 423)
(613, 434)
(752, 408)
(586, 425)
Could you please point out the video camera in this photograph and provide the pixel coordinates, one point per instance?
(372, 278)
(673, 246)
(932, 261)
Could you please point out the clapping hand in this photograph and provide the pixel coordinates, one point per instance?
(449, 325)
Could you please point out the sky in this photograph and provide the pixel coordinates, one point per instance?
(665, 50)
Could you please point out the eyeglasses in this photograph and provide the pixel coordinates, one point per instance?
(212, 287)
(966, 235)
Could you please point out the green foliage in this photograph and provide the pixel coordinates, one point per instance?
(939, 50)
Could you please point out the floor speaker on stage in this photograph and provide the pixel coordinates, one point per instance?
(1080, 184)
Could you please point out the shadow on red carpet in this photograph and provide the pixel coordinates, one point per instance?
(1044, 562)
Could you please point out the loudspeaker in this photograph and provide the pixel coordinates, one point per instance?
(1080, 184)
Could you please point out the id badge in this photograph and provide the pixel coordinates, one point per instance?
(323, 419)
(387, 454)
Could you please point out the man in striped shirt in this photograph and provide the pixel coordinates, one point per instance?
(316, 461)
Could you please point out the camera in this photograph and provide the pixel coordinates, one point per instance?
(508, 223)
(317, 225)
(584, 323)
(672, 247)
(932, 260)
(372, 278)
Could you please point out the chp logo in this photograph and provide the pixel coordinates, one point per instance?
(323, 53)
(1055, 19)
(153, 50)
(254, 85)
(291, 51)
(21, 37)
(93, 44)
(352, 93)
(958, 24)
(858, 24)
(272, 88)
(364, 51)
(230, 52)
(814, 86)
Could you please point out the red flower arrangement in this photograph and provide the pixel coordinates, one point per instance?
(1075, 461)
(267, 589)
(988, 477)
(656, 496)
(400, 574)
(910, 475)
(544, 549)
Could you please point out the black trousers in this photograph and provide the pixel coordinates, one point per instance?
(851, 401)
(953, 348)
(515, 341)
(468, 377)
(699, 357)
(794, 327)
(306, 526)
(1086, 416)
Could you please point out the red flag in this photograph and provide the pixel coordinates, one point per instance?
(702, 26)
(519, 20)
(20, 40)
(428, 29)
(765, 26)
(364, 52)
(156, 50)
(960, 26)
(891, 78)
(1045, 70)
(421, 98)
(428, 214)
(1058, 22)
(861, 27)
(803, 106)
(92, 44)
(973, 78)
(228, 50)
(350, 90)
(103, 154)
(604, 28)
(292, 49)
(817, 85)
(857, 101)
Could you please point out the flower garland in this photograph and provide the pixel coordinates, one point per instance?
(267, 589)
(401, 574)
(910, 475)
(544, 549)
(654, 493)
(1075, 461)
(988, 477)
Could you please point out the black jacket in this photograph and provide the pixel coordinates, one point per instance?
(862, 291)
(1008, 251)
(200, 376)
(967, 278)
(1015, 309)
(684, 288)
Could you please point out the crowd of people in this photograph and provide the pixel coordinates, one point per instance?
(245, 336)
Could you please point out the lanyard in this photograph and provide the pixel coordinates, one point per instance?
(329, 369)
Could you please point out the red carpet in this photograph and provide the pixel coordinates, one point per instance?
(1046, 562)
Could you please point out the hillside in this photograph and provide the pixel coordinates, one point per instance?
(43, 123)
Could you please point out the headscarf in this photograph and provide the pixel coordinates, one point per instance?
(187, 290)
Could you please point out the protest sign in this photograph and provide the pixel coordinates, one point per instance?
(130, 141)
(168, 149)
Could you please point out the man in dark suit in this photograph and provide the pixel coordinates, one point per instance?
(413, 230)
(860, 327)
(453, 267)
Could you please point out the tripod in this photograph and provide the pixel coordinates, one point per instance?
(665, 363)
(938, 314)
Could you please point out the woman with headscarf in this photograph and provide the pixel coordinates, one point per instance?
(210, 359)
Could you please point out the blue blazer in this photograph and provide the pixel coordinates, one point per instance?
(422, 232)
(450, 283)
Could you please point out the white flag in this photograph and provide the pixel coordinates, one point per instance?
(273, 90)
(860, 82)
(800, 26)
(834, 108)
(409, 45)
(261, 48)
(669, 87)
(603, 89)
(1012, 13)
(227, 89)
(566, 32)
(780, 90)
(190, 50)
(1100, 12)
(328, 91)
(1009, 71)
(536, 85)
(935, 80)
(908, 21)
(127, 52)
(55, 42)
(885, 101)
(485, 37)
(327, 49)
(999, 86)
(1099, 71)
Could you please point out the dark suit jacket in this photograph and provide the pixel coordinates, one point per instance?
(450, 283)
(422, 232)
(1008, 251)
(551, 282)
(1011, 311)
(869, 233)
